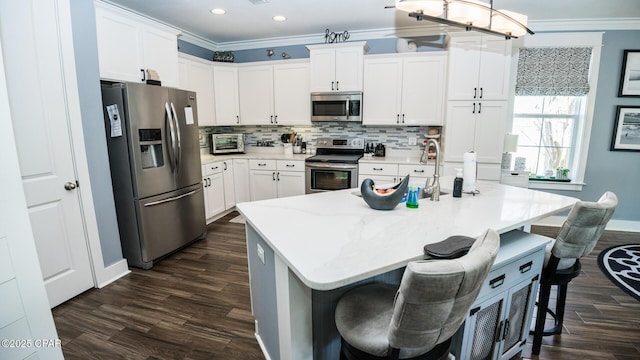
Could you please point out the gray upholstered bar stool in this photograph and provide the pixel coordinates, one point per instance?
(577, 237)
(416, 321)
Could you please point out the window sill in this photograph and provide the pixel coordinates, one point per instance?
(556, 185)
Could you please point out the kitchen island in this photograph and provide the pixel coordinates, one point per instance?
(305, 251)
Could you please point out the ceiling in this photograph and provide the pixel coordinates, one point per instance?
(247, 22)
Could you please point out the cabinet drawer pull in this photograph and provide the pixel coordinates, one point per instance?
(418, 171)
(378, 169)
(262, 164)
(497, 281)
(526, 267)
(214, 167)
(290, 165)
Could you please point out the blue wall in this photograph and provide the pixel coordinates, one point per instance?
(617, 171)
(83, 22)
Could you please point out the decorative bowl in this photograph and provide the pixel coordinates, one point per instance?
(383, 198)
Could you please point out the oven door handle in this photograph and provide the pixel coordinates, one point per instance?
(331, 166)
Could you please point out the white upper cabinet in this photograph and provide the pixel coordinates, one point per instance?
(337, 67)
(197, 75)
(225, 84)
(404, 89)
(255, 84)
(291, 91)
(475, 126)
(479, 68)
(128, 45)
(274, 94)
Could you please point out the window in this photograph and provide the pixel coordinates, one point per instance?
(553, 104)
(546, 127)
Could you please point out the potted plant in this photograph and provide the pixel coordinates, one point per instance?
(562, 173)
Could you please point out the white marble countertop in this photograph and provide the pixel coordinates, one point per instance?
(332, 239)
(208, 158)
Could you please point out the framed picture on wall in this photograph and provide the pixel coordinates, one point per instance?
(630, 78)
(626, 131)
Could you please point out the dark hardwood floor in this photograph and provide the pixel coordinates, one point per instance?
(195, 305)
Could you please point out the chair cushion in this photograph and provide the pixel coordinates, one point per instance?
(564, 263)
(450, 248)
(363, 315)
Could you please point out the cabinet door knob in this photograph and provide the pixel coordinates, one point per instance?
(237, 119)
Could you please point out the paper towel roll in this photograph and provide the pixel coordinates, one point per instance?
(469, 172)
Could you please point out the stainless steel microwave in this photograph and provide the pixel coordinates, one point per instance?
(226, 144)
(345, 106)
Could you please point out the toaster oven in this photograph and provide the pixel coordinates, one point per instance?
(226, 144)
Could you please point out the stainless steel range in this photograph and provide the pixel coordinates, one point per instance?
(335, 167)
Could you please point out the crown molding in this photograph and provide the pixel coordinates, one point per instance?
(198, 40)
(585, 24)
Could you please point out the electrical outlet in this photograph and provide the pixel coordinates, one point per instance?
(260, 253)
(413, 140)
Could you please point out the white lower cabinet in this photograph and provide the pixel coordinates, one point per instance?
(241, 180)
(229, 184)
(269, 179)
(213, 184)
(497, 325)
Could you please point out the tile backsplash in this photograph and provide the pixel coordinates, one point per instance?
(395, 138)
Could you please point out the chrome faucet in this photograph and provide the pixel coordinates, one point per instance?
(432, 188)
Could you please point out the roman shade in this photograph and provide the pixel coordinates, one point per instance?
(553, 71)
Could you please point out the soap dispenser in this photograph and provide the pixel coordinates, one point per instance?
(457, 184)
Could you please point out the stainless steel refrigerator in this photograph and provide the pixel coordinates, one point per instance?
(154, 156)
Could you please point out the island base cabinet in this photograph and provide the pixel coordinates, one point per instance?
(498, 323)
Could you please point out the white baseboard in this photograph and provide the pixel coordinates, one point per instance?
(114, 272)
(262, 347)
(615, 225)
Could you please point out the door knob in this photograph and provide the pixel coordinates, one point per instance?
(70, 185)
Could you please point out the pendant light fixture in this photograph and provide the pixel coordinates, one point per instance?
(472, 15)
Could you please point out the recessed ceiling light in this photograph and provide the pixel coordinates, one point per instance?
(218, 11)
(279, 18)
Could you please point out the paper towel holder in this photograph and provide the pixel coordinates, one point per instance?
(510, 145)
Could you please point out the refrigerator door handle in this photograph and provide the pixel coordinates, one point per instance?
(172, 198)
(178, 147)
(172, 136)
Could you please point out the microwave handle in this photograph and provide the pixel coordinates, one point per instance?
(347, 106)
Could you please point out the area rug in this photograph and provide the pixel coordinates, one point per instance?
(238, 219)
(621, 264)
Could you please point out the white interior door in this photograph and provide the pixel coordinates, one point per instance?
(34, 63)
